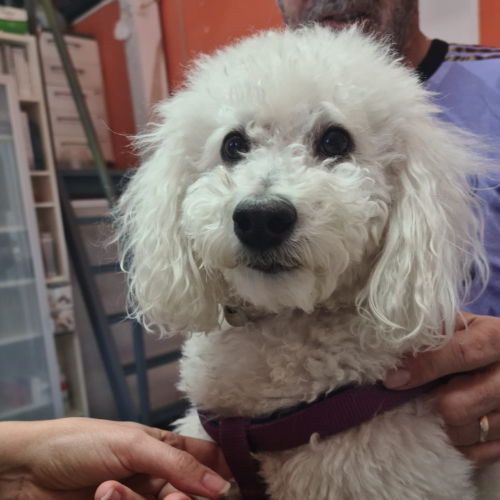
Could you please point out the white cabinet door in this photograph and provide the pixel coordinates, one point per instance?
(29, 380)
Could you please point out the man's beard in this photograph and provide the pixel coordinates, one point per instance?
(396, 19)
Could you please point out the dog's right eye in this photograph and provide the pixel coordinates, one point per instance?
(234, 147)
(335, 142)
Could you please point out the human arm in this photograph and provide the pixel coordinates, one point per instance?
(473, 354)
(70, 458)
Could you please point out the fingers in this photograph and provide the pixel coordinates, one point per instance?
(482, 454)
(170, 493)
(467, 435)
(176, 496)
(144, 488)
(147, 455)
(470, 348)
(146, 485)
(112, 490)
(154, 432)
(466, 398)
(463, 401)
(205, 452)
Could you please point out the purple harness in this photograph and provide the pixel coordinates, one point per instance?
(337, 412)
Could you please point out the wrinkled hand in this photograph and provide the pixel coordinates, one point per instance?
(69, 459)
(474, 354)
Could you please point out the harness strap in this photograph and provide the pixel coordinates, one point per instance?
(234, 444)
(346, 408)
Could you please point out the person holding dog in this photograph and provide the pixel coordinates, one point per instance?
(83, 458)
(73, 458)
(463, 78)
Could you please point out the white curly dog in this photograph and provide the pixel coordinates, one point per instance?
(303, 180)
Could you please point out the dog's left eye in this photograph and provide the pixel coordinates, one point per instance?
(234, 147)
(335, 142)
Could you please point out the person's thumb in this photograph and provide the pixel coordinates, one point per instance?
(179, 468)
(427, 366)
(474, 344)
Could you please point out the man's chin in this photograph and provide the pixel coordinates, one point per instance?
(341, 25)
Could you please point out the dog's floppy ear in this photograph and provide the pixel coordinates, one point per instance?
(432, 242)
(167, 285)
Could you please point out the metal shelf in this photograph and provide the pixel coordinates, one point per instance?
(75, 412)
(16, 339)
(11, 229)
(112, 267)
(29, 100)
(166, 415)
(14, 283)
(88, 221)
(86, 184)
(15, 412)
(154, 362)
(56, 280)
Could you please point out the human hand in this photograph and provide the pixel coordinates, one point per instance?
(68, 459)
(474, 354)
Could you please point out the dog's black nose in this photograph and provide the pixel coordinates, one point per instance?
(264, 224)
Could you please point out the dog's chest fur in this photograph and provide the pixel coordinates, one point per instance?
(285, 360)
(278, 362)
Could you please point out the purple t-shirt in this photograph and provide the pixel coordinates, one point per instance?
(467, 81)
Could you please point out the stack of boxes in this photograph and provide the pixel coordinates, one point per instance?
(71, 150)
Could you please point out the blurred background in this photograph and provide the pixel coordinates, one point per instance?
(191, 27)
(66, 347)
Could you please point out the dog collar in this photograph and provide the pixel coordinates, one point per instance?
(236, 316)
(330, 414)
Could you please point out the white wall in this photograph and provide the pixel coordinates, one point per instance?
(451, 20)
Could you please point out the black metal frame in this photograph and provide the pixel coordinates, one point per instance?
(101, 322)
(101, 182)
(71, 9)
(95, 309)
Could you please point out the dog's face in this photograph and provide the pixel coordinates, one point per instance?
(297, 170)
(292, 191)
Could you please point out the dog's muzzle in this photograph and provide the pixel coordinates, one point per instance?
(262, 225)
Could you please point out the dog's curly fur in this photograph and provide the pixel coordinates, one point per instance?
(382, 251)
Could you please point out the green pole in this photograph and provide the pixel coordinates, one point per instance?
(81, 106)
